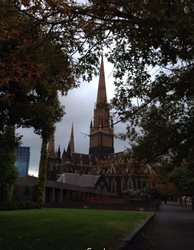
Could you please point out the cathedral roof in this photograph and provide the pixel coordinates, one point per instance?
(79, 180)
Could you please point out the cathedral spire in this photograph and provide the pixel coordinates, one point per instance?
(91, 125)
(59, 152)
(101, 96)
(101, 133)
(71, 141)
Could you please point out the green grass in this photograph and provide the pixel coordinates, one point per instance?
(65, 229)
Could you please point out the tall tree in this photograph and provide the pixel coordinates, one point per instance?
(38, 43)
(151, 46)
(8, 172)
(33, 69)
(146, 38)
(141, 37)
(49, 113)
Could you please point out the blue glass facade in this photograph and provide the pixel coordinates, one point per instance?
(22, 160)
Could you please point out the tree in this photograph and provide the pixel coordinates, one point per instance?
(182, 175)
(28, 82)
(36, 62)
(141, 37)
(23, 56)
(46, 129)
(184, 180)
(8, 172)
(151, 46)
(47, 112)
(144, 37)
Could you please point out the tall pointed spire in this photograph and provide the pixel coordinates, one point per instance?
(101, 96)
(101, 133)
(91, 125)
(71, 142)
(59, 152)
(64, 153)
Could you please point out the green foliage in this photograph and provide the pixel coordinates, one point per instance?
(37, 45)
(40, 195)
(8, 171)
(184, 180)
(18, 205)
(152, 48)
(45, 46)
(33, 69)
(153, 64)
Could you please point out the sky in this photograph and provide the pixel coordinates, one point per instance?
(79, 107)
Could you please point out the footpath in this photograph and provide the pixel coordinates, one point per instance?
(172, 228)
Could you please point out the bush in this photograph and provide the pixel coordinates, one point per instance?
(7, 206)
(17, 205)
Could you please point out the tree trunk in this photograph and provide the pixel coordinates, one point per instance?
(40, 195)
(7, 192)
(9, 172)
(192, 201)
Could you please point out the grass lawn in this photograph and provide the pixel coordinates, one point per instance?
(65, 229)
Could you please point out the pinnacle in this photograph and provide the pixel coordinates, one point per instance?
(101, 96)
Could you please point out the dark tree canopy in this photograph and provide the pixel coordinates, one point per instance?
(46, 45)
(151, 45)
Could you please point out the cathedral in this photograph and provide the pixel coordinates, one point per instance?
(115, 172)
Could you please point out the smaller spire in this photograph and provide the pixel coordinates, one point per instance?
(69, 148)
(91, 125)
(59, 152)
(71, 145)
(64, 153)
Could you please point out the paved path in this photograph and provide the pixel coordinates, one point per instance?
(171, 229)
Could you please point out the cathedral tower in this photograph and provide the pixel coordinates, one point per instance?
(101, 129)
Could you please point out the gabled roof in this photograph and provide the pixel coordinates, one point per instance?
(79, 180)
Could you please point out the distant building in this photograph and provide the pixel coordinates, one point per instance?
(22, 160)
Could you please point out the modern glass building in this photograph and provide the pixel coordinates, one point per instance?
(22, 160)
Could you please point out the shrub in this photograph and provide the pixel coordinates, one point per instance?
(17, 205)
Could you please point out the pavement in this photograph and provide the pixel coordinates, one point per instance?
(172, 228)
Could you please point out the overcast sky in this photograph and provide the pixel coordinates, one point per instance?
(79, 107)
